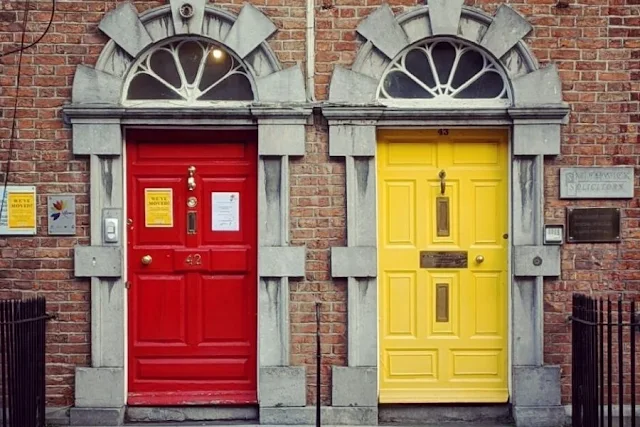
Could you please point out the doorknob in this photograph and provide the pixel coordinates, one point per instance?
(146, 260)
(479, 259)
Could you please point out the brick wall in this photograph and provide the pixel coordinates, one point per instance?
(596, 44)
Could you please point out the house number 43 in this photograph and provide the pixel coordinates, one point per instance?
(193, 260)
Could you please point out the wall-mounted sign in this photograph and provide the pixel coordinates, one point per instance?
(593, 225)
(443, 259)
(61, 215)
(225, 211)
(18, 210)
(597, 183)
(158, 207)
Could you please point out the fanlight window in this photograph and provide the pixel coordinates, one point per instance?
(188, 72)
(446, 71)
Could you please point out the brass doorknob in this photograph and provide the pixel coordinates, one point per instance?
(479, 259)
(146, 260)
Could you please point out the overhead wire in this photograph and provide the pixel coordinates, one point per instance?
(20, 50)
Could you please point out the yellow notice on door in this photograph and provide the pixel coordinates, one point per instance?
(158, 207)
(21, 210)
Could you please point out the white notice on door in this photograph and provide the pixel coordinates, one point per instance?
(225, 211)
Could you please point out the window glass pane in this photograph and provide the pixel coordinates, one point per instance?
(144, 86)
(399, 85)
(234, 87)
(216, 67)
(163, 64)
(190, 56)
(490, 85)
(443, 56)
(470, 64)
(417, 64)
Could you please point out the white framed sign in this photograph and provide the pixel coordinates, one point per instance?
(225, 211)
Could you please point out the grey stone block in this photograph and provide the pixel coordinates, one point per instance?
(92, 86)
(371, 62)
(441, 415)
(96, 416)
(362, 321)
(57, 415)
(352, 87)
(100, 387)
(98, 261)
(417, 28)
(540, 87)
(123, 27)
(352, 140)
(445, 16)
(192, 25)
(354, 261)
(282, 86)
(354, 386)
(282, 386)
(542, 416)
(281, 261)
(507, 29)
(536, 139)
(383, 30)
(273, 322)
(250, 29)
(97, 138)
(354, 416)
(281, 139)
(536, 260)
(186, 413)
(536, 386)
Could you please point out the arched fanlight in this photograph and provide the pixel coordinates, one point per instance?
(188, 72)
(444, 70)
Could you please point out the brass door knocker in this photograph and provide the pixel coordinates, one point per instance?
(443, 185)
(191, 181)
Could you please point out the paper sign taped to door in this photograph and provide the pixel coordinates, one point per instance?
(225, 211)
(158, 207)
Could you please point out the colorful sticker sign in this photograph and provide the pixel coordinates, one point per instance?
(158, 207)
(225, 211)
(18, 210)
(61, 213)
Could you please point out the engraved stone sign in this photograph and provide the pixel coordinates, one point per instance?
(593, 225)
(597, 183)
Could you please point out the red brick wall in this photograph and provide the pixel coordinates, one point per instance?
(596, 44)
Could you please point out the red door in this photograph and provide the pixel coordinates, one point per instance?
(192, 262)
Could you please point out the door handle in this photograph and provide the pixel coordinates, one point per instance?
(146, 260)
(479, 259)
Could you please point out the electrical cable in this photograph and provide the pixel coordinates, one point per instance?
(22, 47)
(15, 110)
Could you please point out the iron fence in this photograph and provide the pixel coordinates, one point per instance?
(603, 371)
(22, 362)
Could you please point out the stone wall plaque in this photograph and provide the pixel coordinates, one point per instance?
(593, 225)
(443, 259)
(597, 183)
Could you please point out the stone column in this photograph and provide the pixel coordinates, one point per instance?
(356, 385)
(281, 387)
(535, 387)
(100, 389)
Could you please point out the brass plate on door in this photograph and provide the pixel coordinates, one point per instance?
(443, 259)
(442, 302)
(442, 217)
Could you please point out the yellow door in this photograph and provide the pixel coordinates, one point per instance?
(443, 324)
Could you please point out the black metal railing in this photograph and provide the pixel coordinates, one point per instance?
(603, 372)
(22, 362)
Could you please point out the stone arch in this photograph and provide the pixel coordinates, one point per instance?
(501, 36)
(131, 34)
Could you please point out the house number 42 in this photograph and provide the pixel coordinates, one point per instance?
(193, 259)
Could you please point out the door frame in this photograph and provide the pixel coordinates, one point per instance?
(509, 227)
(125, 235)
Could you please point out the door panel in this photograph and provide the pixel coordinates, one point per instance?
(192, 302)
(443, 329)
